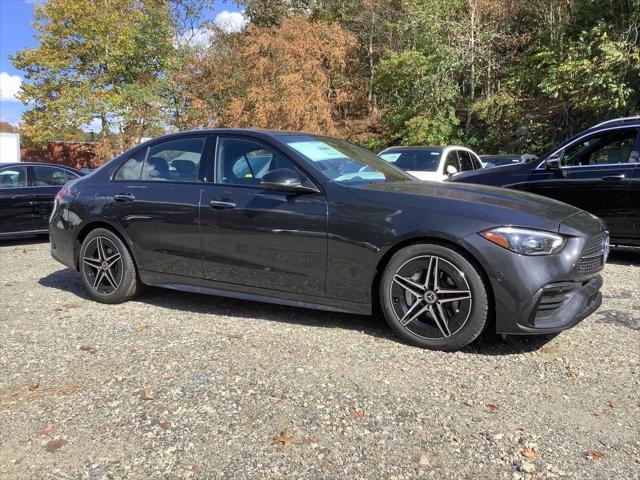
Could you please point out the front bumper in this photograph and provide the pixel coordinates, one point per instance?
(543, 294)
(560, 306)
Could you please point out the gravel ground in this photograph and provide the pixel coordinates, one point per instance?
(177, 385)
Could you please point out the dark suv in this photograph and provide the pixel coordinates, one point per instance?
(597, 171)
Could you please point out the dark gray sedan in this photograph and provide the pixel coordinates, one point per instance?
(311, 221)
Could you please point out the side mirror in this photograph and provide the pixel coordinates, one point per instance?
(553, 162)
(451, 170)
(285, 179)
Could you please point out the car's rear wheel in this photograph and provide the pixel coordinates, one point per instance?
(433, 297)
(107, 269)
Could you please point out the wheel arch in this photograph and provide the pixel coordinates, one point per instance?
(426, 239)
(91, 225)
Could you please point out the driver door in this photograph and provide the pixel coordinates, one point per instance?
(595, 175)
(269, 239)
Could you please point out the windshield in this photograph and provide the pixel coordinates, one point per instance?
(414, 160)
(344, 162)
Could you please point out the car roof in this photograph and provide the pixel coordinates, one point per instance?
(38, 164)
(630, 121)
(416, 148)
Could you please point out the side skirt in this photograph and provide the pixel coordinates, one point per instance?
(208, 287)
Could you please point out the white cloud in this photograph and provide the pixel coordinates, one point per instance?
(231, 21)
(197, 37)
(94, 126)
(9, 87)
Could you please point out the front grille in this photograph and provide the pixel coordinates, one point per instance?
(593, 254)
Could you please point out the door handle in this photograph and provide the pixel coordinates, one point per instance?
(124, 197)
(15, 197)
(613, 178)
(221, 205)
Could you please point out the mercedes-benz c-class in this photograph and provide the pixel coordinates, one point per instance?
(311, 221)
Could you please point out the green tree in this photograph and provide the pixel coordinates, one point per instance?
(105, 60)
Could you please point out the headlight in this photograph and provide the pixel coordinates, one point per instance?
(524, 241)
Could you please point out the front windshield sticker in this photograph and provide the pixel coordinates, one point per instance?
(391, 157)
(316, 150)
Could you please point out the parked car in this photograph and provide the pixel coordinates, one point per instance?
(432, 163)
(598, 171)
(310, 221)
(27, 191)
(490, 161)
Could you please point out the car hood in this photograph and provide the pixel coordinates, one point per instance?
(482, 172)
(497, 206)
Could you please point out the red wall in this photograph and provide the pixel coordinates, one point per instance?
(72, 154)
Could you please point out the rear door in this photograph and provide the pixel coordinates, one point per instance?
(48, 181)
(269, 239)
(16, 200)
(155, 197)
(595, 175)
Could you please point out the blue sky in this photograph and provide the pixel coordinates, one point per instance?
(16, 33)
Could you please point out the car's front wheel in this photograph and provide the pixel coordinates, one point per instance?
(107, 269)
(433, 297)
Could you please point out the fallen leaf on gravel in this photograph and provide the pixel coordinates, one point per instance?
(35, 383)
(358, 413)
(571, 373)
(88, 349)
(133, 349)
(141, 328)
(308, 441)
(598, 413)
(529, 453)
(593, 455)
(499, 366)
(165, 425)
(53, 445)
(234, 336)
(147, 394)
(493, 407)
(48, 431)
(611, 404)
(283, 438)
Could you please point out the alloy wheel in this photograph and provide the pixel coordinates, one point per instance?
(430, 297)
(102, 265)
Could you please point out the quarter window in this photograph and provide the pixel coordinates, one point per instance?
(244, 162)
(175, 160)
(132, 168)
(50, 176)
(605, 148)
(13, 177)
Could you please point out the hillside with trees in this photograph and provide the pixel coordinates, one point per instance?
(497, 75)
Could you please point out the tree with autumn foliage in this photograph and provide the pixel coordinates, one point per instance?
(292, 77)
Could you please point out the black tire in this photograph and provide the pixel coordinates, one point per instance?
(105, 263)
(408, 295)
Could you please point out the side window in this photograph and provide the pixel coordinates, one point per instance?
(175, 160)
(132, 168)
(50, 176)
(245, 162)
(603, 148)
(13, 177)
(452, 159)
(465, 160)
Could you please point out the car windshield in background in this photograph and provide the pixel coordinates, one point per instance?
(414, 160)
(344, 162)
